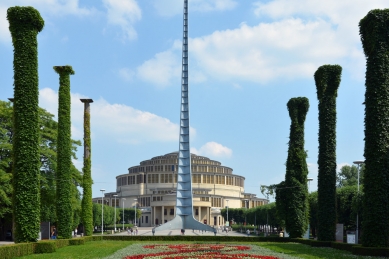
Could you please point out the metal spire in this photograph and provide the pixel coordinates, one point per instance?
(184, 202)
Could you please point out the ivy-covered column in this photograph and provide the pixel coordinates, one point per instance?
(64, 154)
(327, 79)
(373, 29)
(294, 189)
(24, 24)
(87, 206)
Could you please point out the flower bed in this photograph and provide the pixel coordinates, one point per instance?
(194, 251)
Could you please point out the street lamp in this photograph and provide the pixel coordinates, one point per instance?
(135, 211)
(245, 215)
(227, 212)
(123, 199)
(359, 163)
(267, 214)
(115, 195)
(102, 210)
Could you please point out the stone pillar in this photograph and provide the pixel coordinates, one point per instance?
(199, 208)
(163, 214)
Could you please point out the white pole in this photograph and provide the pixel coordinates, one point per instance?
(135, 210)
(115, 195)
(102, 210)
(227, 212)
(123, 199)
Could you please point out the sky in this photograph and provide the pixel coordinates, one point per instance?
(247, 58)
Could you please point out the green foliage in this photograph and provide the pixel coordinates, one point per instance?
(25, 24)
(64, 192)
(45, 247)
(327, 79)
(348, 175)
(87, 207)
(373, 30)
(109, 215)
(313, 212)
(292, 194)
(370, 251)
(16, 250)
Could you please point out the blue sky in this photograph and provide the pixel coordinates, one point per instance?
(247, 58)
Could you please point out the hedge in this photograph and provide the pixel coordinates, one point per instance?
(87, 207)
(327, 79)
(292, 194)
(45, 247)
(373, 29)
(64, 154)
(16, 250)
(24, 24)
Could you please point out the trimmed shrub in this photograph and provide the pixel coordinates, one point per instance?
(45, 247)
(327, 80)
(61, 242)
(76, 242)
(87, 207)
(370, 251)
(316, 243)
(292, 194)
(16, 250)
(64, 154)
(92, 238)
(24, 24)
(342, 246)
(373, 29)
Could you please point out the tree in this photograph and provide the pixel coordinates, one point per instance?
(24, 24)
(373, 29)
(348, 176)
(48, 165)
(327, 79)
(64, 206)
(292, 194)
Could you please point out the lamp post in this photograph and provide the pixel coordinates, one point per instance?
(123, 199)
(227, 213)
(102, 210)
(245, 216)
(135, 211)
(115, 195)
(359, 163)
(267, 214)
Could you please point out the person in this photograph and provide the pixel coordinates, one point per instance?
(182, 231)
(128, 231)
(54, 233)
(248, 232)
(131, 230)
(136, 230)
(75, 232)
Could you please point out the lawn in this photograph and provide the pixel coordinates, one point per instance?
(121, 249)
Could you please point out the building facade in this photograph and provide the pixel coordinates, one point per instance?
(151, 186)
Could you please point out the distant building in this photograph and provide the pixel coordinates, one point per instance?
(151, 186)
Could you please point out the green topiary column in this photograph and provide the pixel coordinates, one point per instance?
(25, 24)
(87, 206)
(64, 154)
(374, 29)
(327, 79)
(294, 188)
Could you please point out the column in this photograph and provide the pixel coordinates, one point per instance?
(199, 208)
(163, 215)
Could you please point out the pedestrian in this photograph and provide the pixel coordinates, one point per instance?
(128, 231)
(248, 232)
(182, 231)
(131, 230)
(75, 232)
(54, 233)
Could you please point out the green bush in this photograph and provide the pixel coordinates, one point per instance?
(316, 243)
(16, 250)
(370, 251)
(92, 238)
(44, 247)
(301, 241)
(342, 246)
(61, 242)
(373, 29)
(76, 242)
(327, 79)
(24, 24)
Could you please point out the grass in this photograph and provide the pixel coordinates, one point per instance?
(94, 249)
(101, 249)
(308, 252)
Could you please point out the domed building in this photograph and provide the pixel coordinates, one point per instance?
(151, 186)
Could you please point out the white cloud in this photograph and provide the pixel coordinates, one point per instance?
(213, 149)
(47, 8)
(123, 13)
(117, 122)
(175, 7)
(126, 74)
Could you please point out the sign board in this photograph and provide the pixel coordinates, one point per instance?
(351, 237)
(339, 233)
(227, 223)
